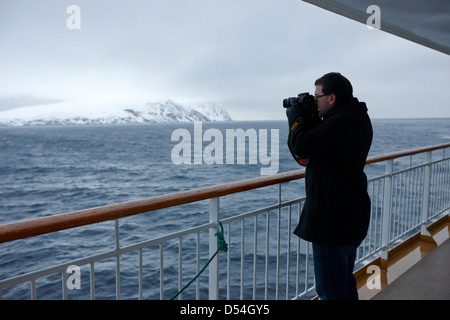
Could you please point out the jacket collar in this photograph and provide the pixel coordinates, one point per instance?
(352, 104)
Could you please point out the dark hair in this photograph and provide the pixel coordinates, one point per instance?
(337, 84)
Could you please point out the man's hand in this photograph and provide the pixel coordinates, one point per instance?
(294, 112)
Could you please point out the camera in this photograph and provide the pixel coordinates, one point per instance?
(305, 101)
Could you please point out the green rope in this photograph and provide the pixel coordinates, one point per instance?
(221, 246)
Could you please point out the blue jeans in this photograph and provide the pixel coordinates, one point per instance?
(333, 268)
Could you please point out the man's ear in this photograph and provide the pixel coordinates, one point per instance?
(332, 98)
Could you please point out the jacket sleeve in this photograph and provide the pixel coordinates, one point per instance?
(311, 138)
(298, 129)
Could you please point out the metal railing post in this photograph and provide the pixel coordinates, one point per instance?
(387, 209)
(426, 194)
(116, 226)
(214, 265)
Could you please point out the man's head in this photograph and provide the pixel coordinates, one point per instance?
(332, 89)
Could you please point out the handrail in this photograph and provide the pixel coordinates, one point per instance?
(404, 153)
(29, 228)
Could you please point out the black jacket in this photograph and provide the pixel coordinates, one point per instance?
(337, 206)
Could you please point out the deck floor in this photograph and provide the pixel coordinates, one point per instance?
(428, 279)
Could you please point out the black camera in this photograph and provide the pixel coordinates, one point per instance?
(305, 102)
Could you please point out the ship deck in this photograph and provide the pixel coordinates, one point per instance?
(418, 270)
(429, 279)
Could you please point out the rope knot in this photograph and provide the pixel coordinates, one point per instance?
(221, 243)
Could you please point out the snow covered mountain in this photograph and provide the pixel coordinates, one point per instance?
(81, 113)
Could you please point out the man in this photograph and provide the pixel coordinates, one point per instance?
(335, 138)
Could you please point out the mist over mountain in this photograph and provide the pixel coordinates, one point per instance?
(85, 113)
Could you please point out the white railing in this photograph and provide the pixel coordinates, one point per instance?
(264, 260)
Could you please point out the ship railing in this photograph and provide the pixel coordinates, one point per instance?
(264, 260)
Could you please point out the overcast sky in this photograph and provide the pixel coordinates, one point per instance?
(246, 54)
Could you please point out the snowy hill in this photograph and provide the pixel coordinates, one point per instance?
(81, 113)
